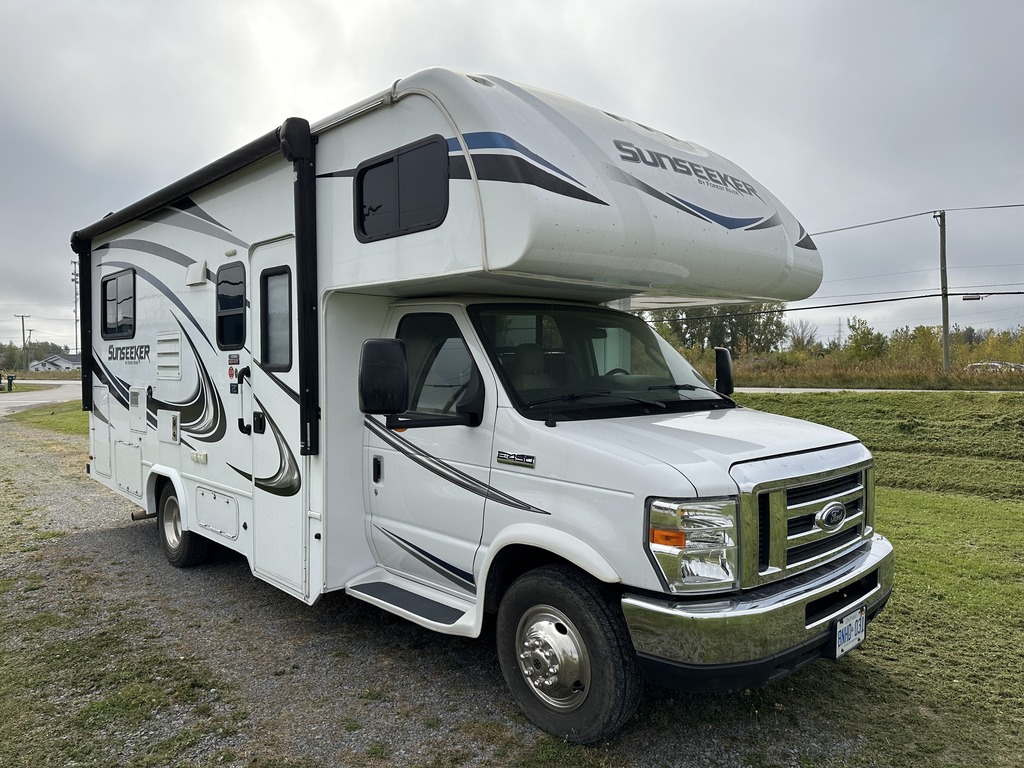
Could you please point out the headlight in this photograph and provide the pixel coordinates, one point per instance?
(693, 543)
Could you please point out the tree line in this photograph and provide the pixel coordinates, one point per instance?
(760, 330)
(14, 358)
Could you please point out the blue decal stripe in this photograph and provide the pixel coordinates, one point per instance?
(495, 140)
(729, 222)
(516, 170)
(460, 577)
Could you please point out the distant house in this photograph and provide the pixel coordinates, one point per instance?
(57, 363)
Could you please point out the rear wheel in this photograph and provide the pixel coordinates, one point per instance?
(182, 548)
(566, 655)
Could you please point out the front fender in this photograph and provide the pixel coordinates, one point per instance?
(559, 543)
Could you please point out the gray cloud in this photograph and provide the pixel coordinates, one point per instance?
(848, 111)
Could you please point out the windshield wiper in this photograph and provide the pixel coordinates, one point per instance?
(691, 388)
(596, 393)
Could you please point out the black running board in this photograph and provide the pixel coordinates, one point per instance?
(424, 607)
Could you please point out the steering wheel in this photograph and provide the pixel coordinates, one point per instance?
(616, 371)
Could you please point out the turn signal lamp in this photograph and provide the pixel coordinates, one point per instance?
(692, 542)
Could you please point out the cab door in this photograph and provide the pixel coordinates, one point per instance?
(428, 484)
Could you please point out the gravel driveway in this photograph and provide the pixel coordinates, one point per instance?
(339, 683)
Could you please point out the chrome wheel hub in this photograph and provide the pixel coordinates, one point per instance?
(172, 523)
(553, 658)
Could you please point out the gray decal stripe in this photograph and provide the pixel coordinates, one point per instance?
(620, 175)
(457, 576)
(446, 471)
(188, 205)
(150, 278)
(148, 246)
(181, 220)
(805, 241)
(774, 221)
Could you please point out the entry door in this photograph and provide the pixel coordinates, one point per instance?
(279, 492)
(428, 484)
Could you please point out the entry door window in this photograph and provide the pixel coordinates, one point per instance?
(276, 319)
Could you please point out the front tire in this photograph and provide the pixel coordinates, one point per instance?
(566, 655)
(182, 548)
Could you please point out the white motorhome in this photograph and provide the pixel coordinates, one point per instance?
(375, 355)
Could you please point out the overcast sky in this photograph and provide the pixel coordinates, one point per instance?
(850, 111)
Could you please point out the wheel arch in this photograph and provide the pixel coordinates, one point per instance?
(159, 476)
(521, 549)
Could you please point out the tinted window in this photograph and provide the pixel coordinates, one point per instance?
(276, 320)
(440, 366)
(231, 306)
(403, 192)
(118, 293)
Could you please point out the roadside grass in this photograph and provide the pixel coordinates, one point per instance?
(789, 370)
(955, 442)
(21, 387)
(66, 418)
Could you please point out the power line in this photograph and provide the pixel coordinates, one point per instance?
(845, 304)
(915, 215)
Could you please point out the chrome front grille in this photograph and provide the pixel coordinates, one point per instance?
(797, 512)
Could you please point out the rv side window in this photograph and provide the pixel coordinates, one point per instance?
(118, 293)
(440, 366)
(231, 306)
(276, 319)
(402, 192)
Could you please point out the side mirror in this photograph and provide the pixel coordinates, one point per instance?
(383, 377)
(723, 371)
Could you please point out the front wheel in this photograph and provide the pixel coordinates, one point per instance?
(182, 548)
(566, 655)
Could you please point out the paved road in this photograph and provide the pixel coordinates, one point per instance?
(55, 392)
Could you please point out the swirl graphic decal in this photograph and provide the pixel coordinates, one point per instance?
(287, 479)
(202, 412)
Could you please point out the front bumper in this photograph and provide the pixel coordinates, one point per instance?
(752, 638)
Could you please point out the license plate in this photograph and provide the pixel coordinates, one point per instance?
(850, 631)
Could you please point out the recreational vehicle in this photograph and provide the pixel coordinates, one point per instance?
(384, 354)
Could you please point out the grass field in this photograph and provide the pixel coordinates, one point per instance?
(944, 684)
(939, 682)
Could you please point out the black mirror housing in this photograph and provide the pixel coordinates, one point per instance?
(723, 372)
(383, 377)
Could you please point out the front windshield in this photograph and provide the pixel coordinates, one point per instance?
(580, 362)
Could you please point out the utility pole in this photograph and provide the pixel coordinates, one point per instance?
(28, 347)
(941, 216)
(74, 279)
(23, 335)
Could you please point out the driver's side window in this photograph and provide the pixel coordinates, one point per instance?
(440, 366)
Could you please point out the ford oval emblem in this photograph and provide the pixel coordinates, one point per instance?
(831, 517)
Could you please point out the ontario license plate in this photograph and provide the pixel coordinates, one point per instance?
(850, 631)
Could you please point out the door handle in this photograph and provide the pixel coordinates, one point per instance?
(259, 422)
(244, 428)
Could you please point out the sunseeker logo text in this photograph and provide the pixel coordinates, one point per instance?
(708, 177)
(134, 353)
